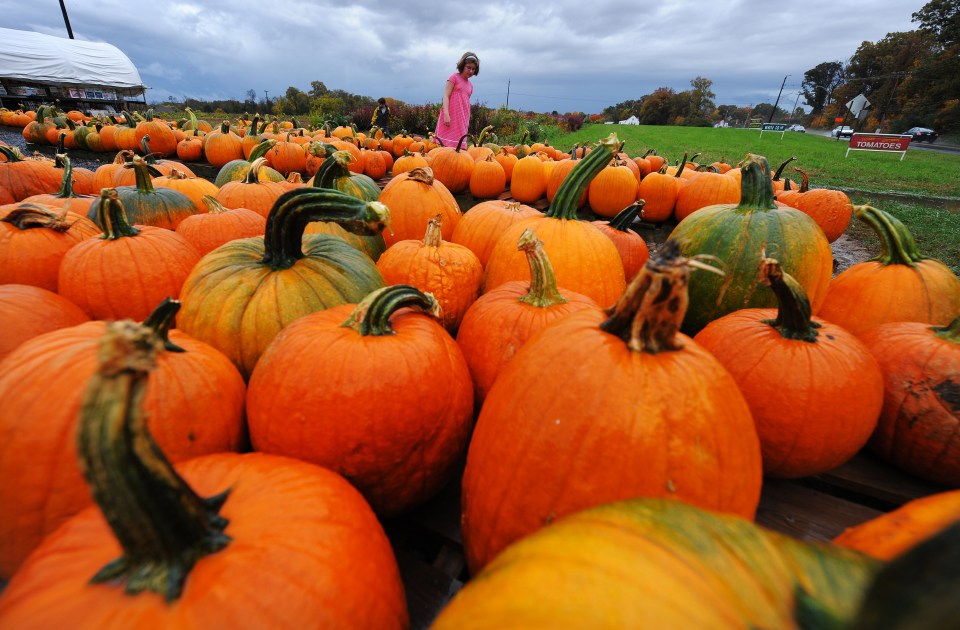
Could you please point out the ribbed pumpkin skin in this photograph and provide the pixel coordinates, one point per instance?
(612, 190)
(126, 277)
(33, 255)
(208, 231)
(584, 259)
(195, 402)
(529, 182)
(614, 422)
(892, 533)
(480, 228)
(372, 246)
(656, 564)
(831, 209)
(414, 198)
(659, 191)
(238, 305)
(815, 404)
(919, 427)
(158, 207)
(498, 324)
(739, 238)
(30, 311)
(399, 441)
(282, 513)
(705, 189)
(631, 246)
(871, 293)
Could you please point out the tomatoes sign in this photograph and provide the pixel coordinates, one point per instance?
(879, 142)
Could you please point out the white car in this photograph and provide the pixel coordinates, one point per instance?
(797, 128)
(841, 132)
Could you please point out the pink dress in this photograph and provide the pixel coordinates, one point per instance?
(459, 112)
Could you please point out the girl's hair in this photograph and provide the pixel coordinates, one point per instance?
(469, 56)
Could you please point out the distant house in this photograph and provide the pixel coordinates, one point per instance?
(633, 120)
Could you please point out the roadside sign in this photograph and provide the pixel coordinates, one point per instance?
(838, 119)
(781, 127)
(889, 142)
(857, 105)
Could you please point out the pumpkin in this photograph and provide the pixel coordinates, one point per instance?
(584, 260)
(414, 198)
(21, 177)
(738, 234)
(814, 389)
(34, 239)
(613, 189)
(169, 548)
(240, 295)
(128, 270)
(556, 177)
(488, 179)
(221, 146)
(66, 198)
(335, 174)
(236, 170)
(621, 402)
(529, 182)
(407, 162)
(452, 167)
(195, 406)
(252, 191)
(157, 135)
(126, 176)
(30, 311)
(705, 189)
(146, 205)
(497, 324)
(286, 156)
(398, 454)
(659, 193)
(654, 563)
(480, 228)
(920, 419)
(831, 209)
(104, 176)
(899, 284)
(218, 225)
(452, 273)
(195, 188)
(892, 533)
(632, 248)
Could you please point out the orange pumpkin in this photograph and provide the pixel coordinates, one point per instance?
(30, 311)
(453, 166)
(157, 135)
(182, 546)
(218, 225)
(450, 272)
(668, 420)
(252, 191)
(502, 320)
(613, 189)
(633, 250)
(195, 188)
(66, 199)
(659, 193)
(414, 198)
(529, 181)
(921, 414)
(195, 407)
(21, 177)
(814, 389)
(222, 146)
(900, 284)
(488, 179)
(403, 357)
(480, 228)
(706, 188)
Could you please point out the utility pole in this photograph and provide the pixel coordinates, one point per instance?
(508, 94)
(774, 110)
(66, 19)
(795, 106)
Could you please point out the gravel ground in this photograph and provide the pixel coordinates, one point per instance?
(846, 251)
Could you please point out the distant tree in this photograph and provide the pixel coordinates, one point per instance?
(820, 82)
(317, 89)
(941, 18)
(658, 107)
(701, 98)
(297, 102)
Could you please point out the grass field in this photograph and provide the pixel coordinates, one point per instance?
(925, 186)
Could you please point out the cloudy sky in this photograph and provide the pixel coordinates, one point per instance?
(563, 55)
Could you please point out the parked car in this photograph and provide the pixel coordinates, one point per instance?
(797, 128)
(841, 132)
(922, 134)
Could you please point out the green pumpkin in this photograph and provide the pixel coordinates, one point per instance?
(146, 205)
(334, 174)
(240, 295)
(740, 235)
(236, 170)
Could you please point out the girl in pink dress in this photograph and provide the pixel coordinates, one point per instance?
(455, 112)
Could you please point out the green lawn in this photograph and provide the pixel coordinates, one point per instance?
(925, 185)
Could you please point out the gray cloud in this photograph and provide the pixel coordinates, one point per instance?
(564, 55)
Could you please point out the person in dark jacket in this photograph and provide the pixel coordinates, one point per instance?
(381, 116)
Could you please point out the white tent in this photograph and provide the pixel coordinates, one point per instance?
(39, 58)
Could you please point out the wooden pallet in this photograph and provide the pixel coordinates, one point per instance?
(429, 546)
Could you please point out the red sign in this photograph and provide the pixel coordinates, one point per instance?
(838, 120)
(879, 142)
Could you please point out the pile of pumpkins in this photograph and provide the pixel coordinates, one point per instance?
(244, 376)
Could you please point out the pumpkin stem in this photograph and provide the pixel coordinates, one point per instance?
(950, 332)
(897, 244)
(682, 165)
(26, 216)
(433, 237)
(568, 195)
(294, 209)
(333, 168)
(213, 205)
(543, 291)
(756, 185)
(625, 217)
(793, 313)
(649, 313)
(804, 179)
(422, 174)
(144, 172)
(776, 176)
(112, 216)
(162, 525)
(371, 317)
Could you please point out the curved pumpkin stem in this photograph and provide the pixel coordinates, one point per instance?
(804, 179)
(776, 176)
(625, 217)
(333, 168)
(649, 313)
(162, 525)
(793, 313)
(568, 195)
(898, 246)
(112, 216)
(950, 332)
(756, 186)
(27, 216)
(371, 317)
(543, 291)
(294, 209)
(144, 172)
